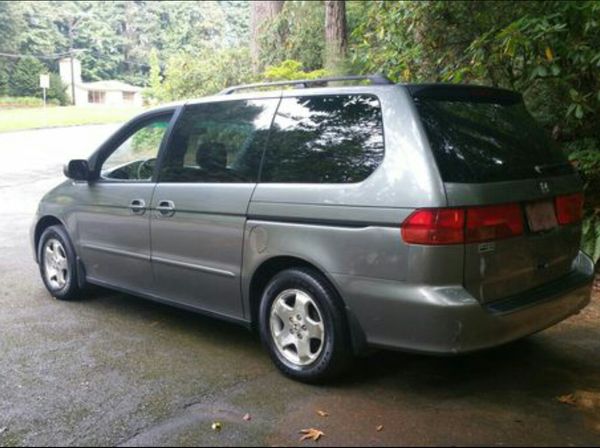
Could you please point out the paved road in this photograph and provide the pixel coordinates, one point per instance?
(117, 370)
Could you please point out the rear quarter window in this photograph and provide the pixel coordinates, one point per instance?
(324, 139)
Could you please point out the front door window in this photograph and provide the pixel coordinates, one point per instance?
(135, 158)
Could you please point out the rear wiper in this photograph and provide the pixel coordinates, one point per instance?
(550, 167)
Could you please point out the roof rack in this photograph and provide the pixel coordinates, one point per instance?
(305, 83)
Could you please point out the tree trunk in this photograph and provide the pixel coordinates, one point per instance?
(336, 39)
(260, 12)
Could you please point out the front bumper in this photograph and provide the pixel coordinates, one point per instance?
(449, 320)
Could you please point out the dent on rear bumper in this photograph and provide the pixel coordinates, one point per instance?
(447, 319)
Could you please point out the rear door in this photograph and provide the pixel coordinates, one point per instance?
(489, 151)
(199, 208)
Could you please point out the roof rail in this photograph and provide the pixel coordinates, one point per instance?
(305, 83)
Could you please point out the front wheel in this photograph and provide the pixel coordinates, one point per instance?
(58, 264)
(303, 326)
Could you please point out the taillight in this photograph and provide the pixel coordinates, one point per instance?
(569, 208)
(435, 226)
(463, 225)
(493, 222)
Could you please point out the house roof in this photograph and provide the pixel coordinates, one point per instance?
(111, 85)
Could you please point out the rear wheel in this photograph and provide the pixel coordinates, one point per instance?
(303, 326)
(58, 263)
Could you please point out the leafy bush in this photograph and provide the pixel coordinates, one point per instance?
(57, 93)
(291, 70)
(4, 77)
(586, 157)
(200, 74)
(20, 102)
(25, 77)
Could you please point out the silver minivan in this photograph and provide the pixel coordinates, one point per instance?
(330, 218)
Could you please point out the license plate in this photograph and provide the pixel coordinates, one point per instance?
(541, 216)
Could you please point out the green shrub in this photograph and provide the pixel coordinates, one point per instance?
(20, 102)
(57, 93)
(291, 70)
(5, 67)
(25, 78)
(203, 73)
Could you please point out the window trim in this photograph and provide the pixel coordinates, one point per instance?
(128, 130)
(311, 95)
(179, 114)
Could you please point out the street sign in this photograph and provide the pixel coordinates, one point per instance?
(45, 81)
(44, 84)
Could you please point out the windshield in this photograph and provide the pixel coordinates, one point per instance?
(476, 141)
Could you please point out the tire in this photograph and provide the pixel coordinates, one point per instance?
(297, 305)
(58, 264)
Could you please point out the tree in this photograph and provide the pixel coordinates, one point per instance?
(154, 90)
(261, 12)
(295, 34)
(4, 78)
(11, 25)
(25, 79)
(57, 90)
(204, 73)
(336, 38)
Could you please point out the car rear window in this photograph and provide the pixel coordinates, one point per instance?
(481, 141)
(324, 139)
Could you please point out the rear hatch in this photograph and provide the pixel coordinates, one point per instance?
(521, 197)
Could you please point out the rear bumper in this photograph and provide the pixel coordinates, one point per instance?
(448, 320)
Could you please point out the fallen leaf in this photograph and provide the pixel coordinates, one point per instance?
(567, 399)
(322, 413)
(3, 430)
(247, 417)
(311, 434)
(217, 426)
(379, 428)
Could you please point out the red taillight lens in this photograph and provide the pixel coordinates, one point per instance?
(493, 222)
(569, 208)
(435, 226)
(458, 225)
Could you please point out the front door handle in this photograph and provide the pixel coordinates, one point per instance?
(166, 208)
(138, 206)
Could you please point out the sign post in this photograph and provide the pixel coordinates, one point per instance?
(44, 84)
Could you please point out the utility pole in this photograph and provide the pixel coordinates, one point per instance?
(72, 70)
(72, 24)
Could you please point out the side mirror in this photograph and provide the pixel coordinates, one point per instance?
(78, 170)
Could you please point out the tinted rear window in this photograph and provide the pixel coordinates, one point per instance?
(476, 142)
(324, 139)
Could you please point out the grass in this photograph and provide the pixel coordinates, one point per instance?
(34, 118)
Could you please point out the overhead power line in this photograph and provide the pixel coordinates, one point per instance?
(40, 56)
(60, 55)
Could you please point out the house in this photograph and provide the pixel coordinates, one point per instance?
(108, 93)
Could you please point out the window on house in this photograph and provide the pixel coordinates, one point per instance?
(128, 97)
(96, 97)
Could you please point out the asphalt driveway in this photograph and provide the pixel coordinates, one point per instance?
(117, 370)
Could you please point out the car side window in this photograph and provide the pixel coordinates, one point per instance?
(219, 142)
(325, 139)
(135, 158)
